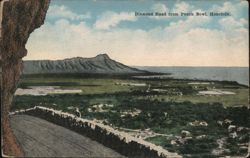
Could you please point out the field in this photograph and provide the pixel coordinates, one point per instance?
(193, 118)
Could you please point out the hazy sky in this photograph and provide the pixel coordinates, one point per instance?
(89, 27)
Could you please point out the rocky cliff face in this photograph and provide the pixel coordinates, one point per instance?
(19, 19)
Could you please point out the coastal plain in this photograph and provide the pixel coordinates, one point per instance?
(212, 117)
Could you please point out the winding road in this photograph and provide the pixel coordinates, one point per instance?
(40, 138)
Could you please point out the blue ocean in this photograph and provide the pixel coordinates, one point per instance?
(239, 74)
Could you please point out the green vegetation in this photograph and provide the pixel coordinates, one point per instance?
(166, 106)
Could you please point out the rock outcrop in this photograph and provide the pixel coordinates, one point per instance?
(19, 19)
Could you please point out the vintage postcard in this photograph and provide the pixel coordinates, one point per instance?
(123, 78)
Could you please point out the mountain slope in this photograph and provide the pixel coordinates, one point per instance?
(99, 64)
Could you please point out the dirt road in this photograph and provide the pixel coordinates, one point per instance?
(40, 138)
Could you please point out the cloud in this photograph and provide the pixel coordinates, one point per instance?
(237, 30)
(207, 47)
(159, 7)
(190, 45)
(111, 19)
(57, 12)
(189, 41)
(182, 7)
(177, 8)
(231, 23)
(183, 26)
(237, 10)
